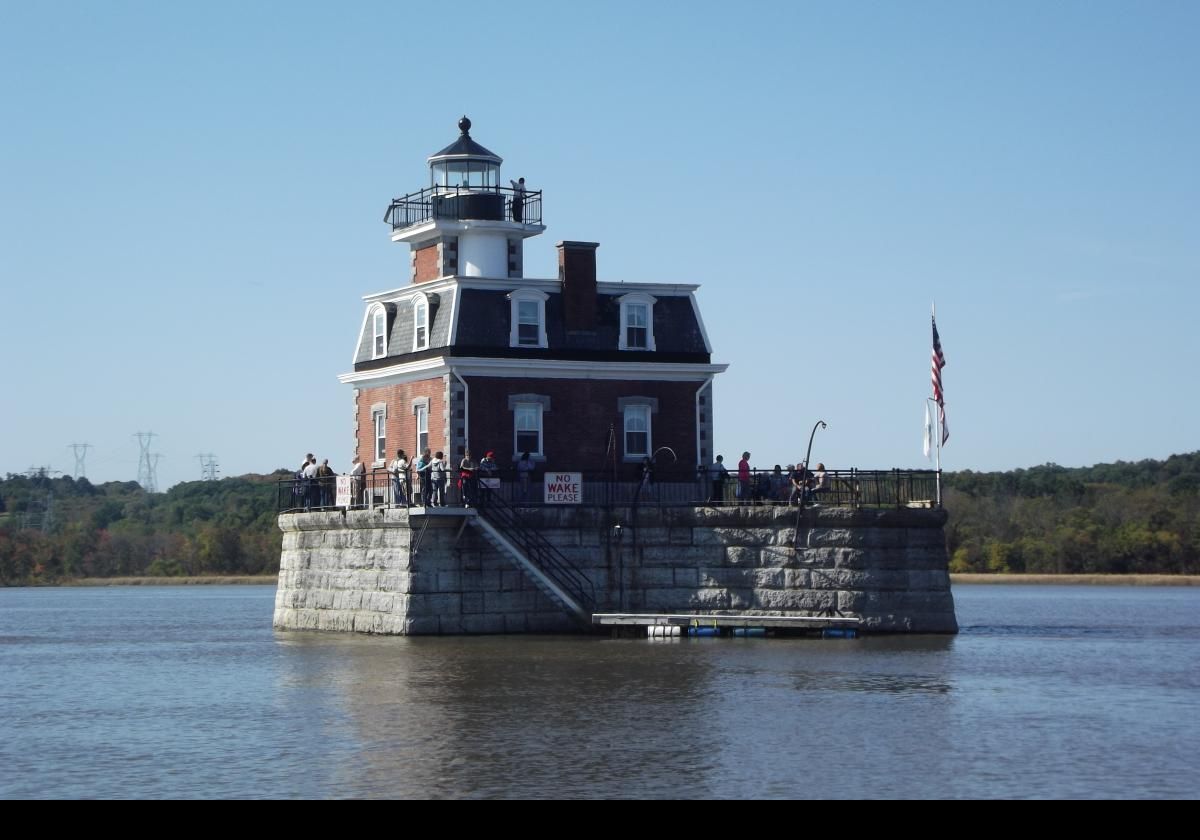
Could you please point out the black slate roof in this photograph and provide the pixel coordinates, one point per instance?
(465, 146)
(484, 329)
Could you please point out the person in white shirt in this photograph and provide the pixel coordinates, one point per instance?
(312, 492)
(518, 200)
(399, 470)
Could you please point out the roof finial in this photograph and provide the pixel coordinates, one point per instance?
(465, 125)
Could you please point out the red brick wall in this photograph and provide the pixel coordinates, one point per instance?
(426, 265)
(575, 430)
(401, 422)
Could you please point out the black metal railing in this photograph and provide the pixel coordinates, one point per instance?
(670, 487)
(539, 551)
(485, 203)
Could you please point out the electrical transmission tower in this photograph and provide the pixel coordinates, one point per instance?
(208, 466)
(80, 454)
(39, 515)
(147, 463)
(42, 472)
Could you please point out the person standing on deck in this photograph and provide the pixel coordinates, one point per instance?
(518, 200)
(717, 473)
(744, 479)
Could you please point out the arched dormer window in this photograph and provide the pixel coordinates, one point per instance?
(420, 323)
(379, 337)
(527, 318)
(637, 322)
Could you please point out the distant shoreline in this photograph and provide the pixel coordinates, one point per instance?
(966, 579)
(1087, 580)
(214, 580)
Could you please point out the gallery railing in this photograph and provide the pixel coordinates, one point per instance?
(457, 203)
(669, 487)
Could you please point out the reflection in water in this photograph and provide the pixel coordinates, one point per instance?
(572, 717)
(187, 692)
(512, 716)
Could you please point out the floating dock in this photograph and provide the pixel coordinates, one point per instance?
(656, 625)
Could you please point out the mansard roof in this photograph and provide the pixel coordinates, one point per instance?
(483, 311)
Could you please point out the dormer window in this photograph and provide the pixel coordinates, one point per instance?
(420, 324)
(379, 333)
(528, 318)
(637, 322)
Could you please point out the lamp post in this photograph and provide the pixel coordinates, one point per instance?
(619, 532)
(823, 425)
(800, 508)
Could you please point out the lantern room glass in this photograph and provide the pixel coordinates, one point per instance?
(465, 174)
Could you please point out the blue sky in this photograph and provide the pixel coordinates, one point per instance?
(191, 200)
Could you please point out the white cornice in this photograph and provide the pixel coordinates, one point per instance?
(668, 289)
(510, 283)
(455, 227)
(393, 295)
(534, 369)
(395, 374)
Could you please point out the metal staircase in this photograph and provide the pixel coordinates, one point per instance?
(552, 573)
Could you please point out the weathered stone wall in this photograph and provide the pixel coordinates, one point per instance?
(369, 571)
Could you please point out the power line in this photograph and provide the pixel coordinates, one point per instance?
(80, 456)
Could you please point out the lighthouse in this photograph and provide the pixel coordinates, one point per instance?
(581, 373)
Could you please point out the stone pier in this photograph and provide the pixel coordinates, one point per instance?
(394, 571)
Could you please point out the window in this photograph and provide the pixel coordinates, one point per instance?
(529, 323)
(527, 419)
(420, 324)
(528, 318)
(379, 345)
(635, 326)
(379, 422)
(422, 414)
(637, 431)
(637, 322)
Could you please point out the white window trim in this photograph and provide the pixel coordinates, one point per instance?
(645, 300)
(541, 429)
(378, 417)
(378, 312)
(419, 301)
(626, 412)
(420, 410)
(514, 332)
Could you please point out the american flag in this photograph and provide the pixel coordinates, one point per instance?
(939, 362)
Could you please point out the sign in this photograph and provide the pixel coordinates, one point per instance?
(564, 488)
(343, 491)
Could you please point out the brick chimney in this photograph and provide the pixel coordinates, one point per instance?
(577, 271)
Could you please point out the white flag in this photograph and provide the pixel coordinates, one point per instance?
(928, 429)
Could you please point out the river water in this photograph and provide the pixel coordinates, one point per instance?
(182, 692)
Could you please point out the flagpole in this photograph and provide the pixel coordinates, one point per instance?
(939, 458)
(940, 419)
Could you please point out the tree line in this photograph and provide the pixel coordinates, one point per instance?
(1120, 518)
(56, 529)
(1125, 518)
